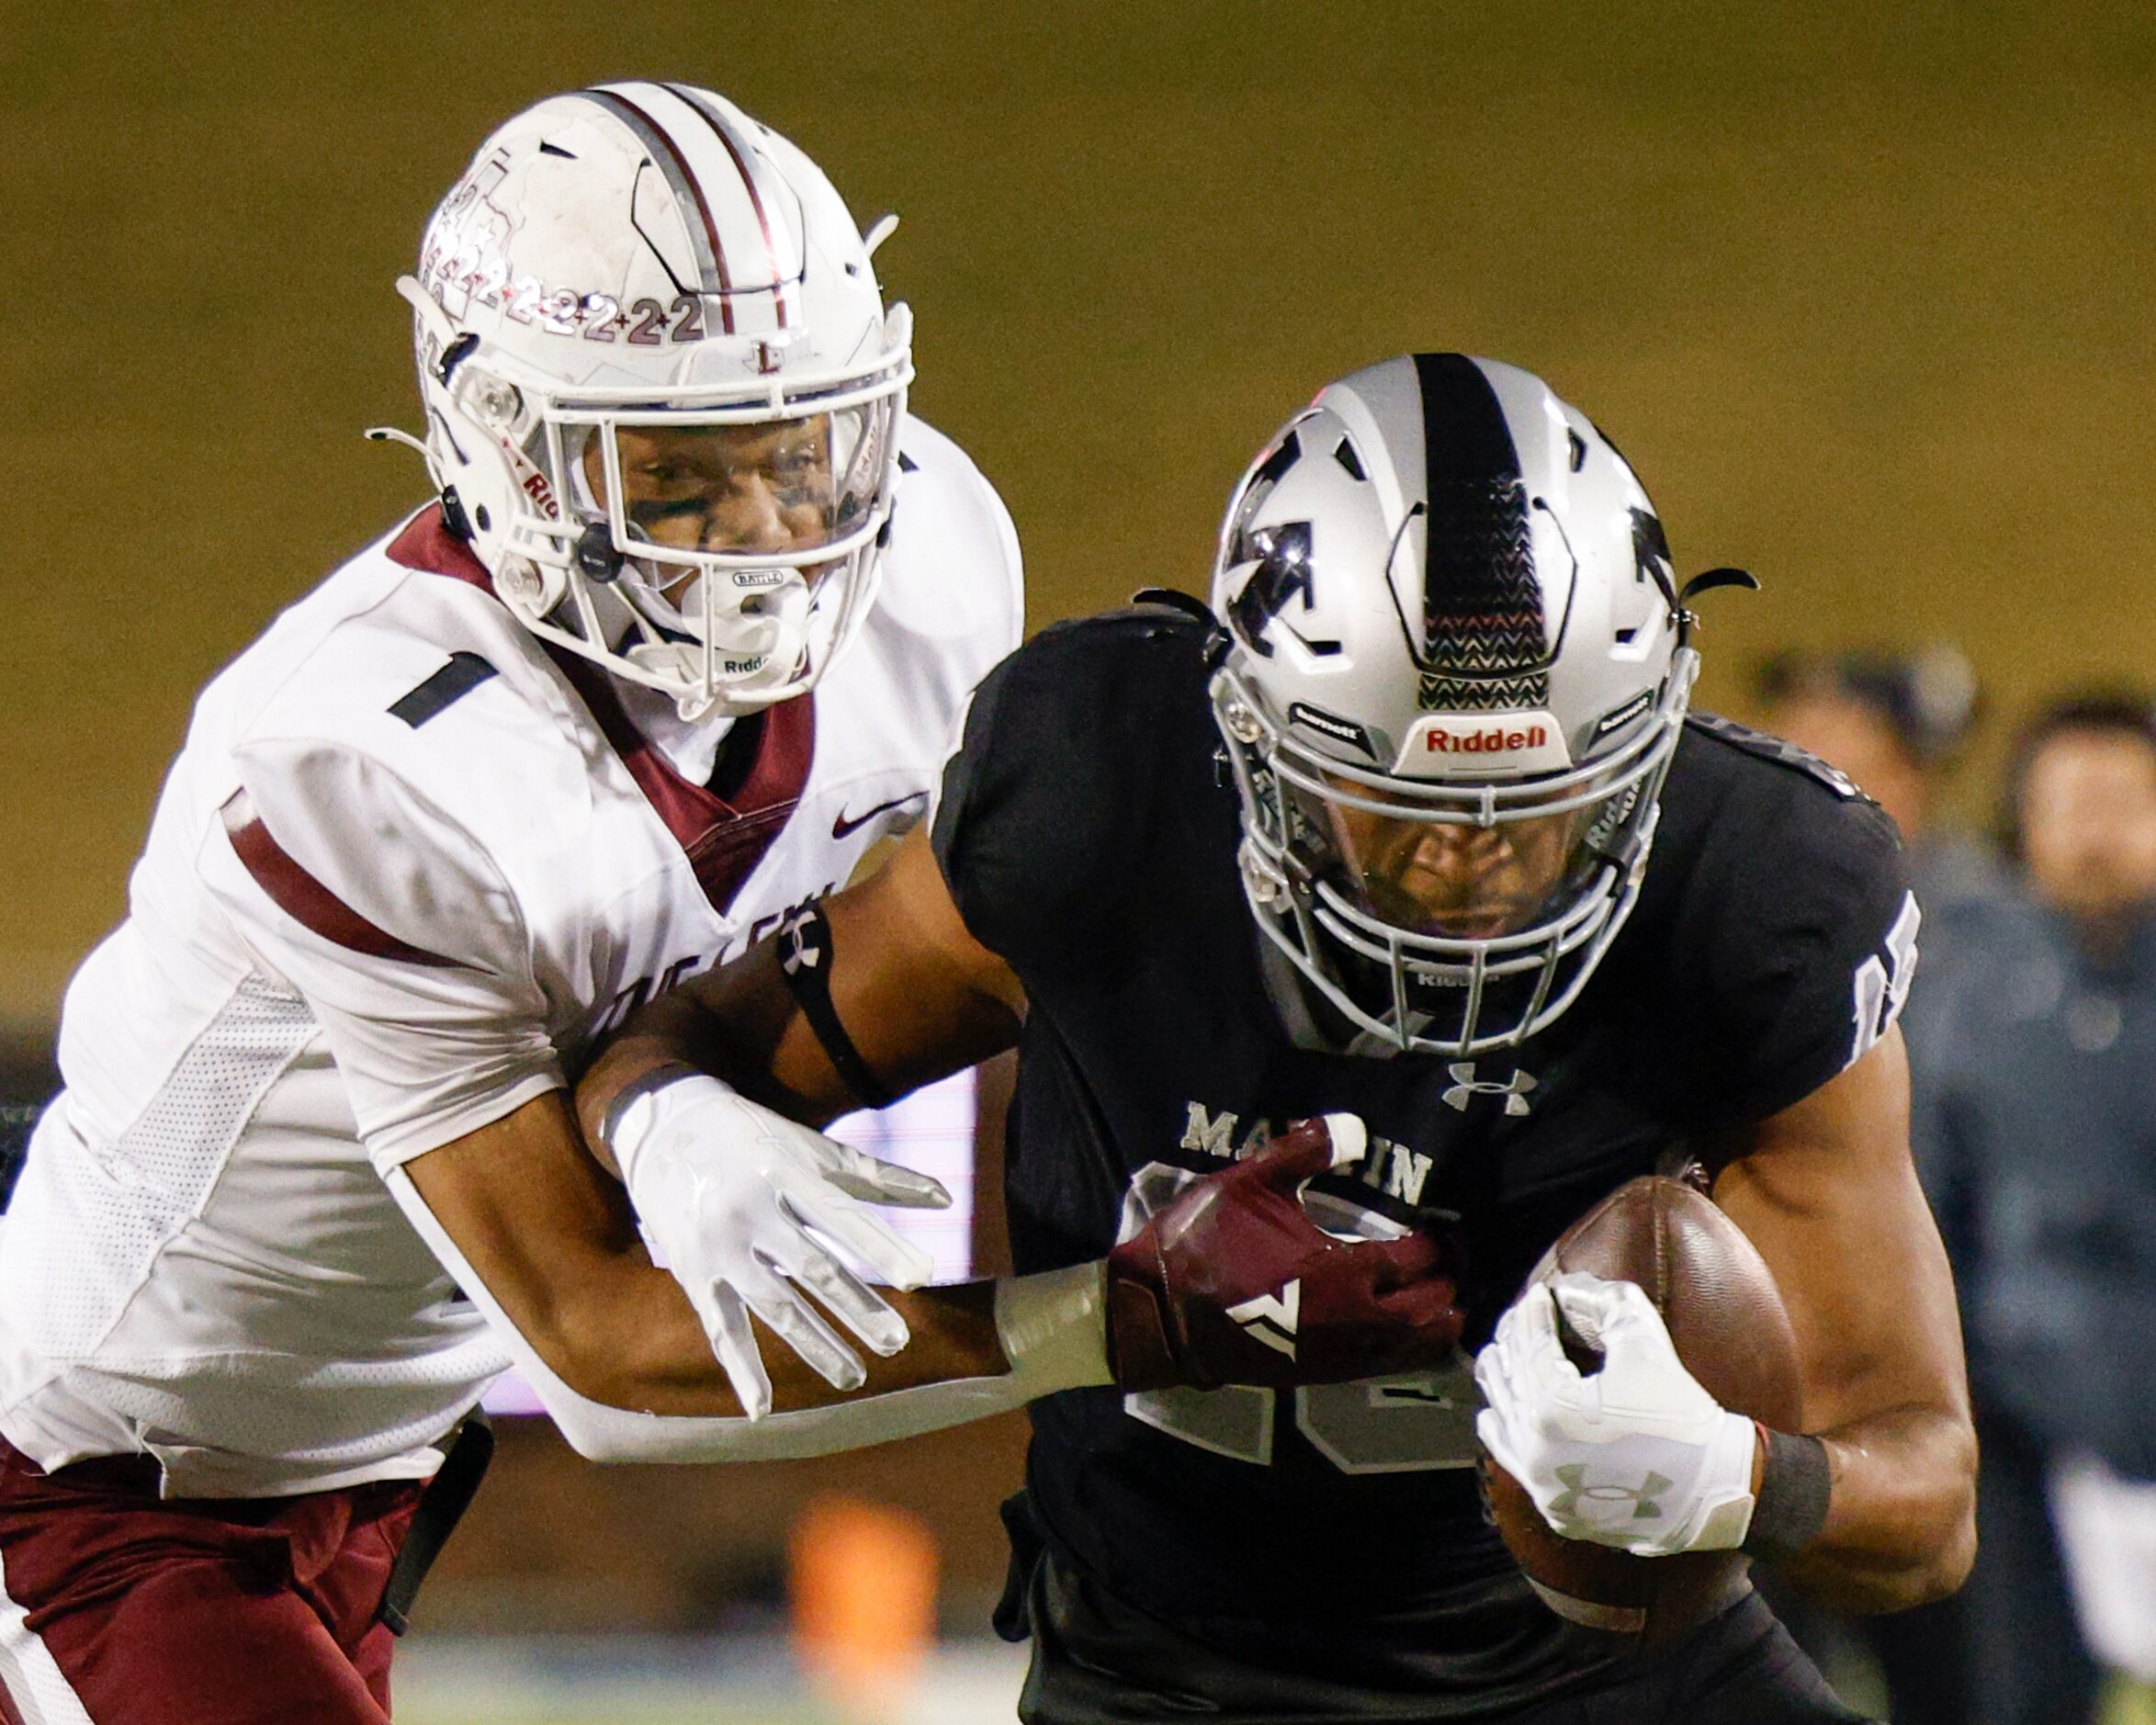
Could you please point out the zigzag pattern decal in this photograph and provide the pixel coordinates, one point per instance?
(1483, 644)
(1483, 608)
(1440, 694)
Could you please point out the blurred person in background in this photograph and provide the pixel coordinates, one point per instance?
(2046, 1192)
(1896, 724)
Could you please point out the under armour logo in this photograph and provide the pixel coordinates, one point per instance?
(1465, 1084)
(1605, 1498)
(1270, 1318)
(801, 951)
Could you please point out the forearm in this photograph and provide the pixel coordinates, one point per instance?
(638, 1346)
(979, 1349)
(1826, 1192)
(614, 1351)
(1901, 1525)
(914, 995)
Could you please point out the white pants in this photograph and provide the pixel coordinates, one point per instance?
(2107, 1526)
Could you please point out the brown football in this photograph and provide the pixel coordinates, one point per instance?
(1732, 1333)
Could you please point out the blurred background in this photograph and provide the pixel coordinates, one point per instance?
(1864, 294)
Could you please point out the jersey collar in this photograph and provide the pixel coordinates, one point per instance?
(723, 840)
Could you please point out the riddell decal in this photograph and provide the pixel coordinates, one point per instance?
(1487, 740)
(540, 492)
(1440, 745)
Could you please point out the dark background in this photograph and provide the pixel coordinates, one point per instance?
(1863, 292)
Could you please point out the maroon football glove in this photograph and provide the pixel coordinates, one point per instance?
(1232, 1283)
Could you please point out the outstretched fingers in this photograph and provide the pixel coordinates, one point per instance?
(859, 1175)
(798, 1325)
(855, 1304)
(733, 1340)
(869, 1237)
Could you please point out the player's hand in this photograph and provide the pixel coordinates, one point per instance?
(1232, 1282)
(729, 1193)
(1634, 1455)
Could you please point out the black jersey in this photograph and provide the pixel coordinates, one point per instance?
(1088, 829)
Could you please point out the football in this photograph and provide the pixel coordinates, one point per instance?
(1734, 1335)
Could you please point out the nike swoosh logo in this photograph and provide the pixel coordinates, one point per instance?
(841, 828)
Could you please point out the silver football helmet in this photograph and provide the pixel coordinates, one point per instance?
(663, 392)
(1456, 676)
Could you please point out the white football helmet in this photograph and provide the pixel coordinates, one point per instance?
(1456, 675)
(663, 395)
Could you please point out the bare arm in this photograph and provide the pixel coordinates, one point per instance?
(1827, 1192)
(919, 996)
(532, 1205)
(550, 1237)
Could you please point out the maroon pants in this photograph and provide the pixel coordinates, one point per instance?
(124, 1610)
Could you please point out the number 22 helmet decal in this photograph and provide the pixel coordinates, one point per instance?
(1456, 675)
(663, 394)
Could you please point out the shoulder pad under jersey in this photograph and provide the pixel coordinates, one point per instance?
(1782, 754)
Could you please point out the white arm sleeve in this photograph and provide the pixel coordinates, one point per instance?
(1051, 1326)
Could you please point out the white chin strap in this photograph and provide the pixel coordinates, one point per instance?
(736, 638)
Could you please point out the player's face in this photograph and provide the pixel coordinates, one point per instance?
(1461, 882)
(743, 489)
(2088, 820)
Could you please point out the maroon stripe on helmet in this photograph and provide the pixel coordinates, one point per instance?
(675, 167)
(733, 148)
(305, 899)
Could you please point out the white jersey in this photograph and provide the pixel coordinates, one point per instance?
(407, 867)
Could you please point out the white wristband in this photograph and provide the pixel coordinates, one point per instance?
(1053, 1328)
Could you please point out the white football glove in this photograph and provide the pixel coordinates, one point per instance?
(730, 1190)
(1635, 1455)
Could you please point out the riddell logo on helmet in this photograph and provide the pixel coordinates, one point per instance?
(540, 492)
(1495, 740)
(1469, 745)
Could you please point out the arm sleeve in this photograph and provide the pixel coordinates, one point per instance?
(399, 931)
(1798, 948)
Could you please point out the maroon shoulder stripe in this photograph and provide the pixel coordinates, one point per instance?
(672, 162)
(305, 899)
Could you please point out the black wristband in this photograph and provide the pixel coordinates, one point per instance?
(805, 961)
(1793, 1492)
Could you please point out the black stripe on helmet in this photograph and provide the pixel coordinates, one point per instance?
(1484, 644)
